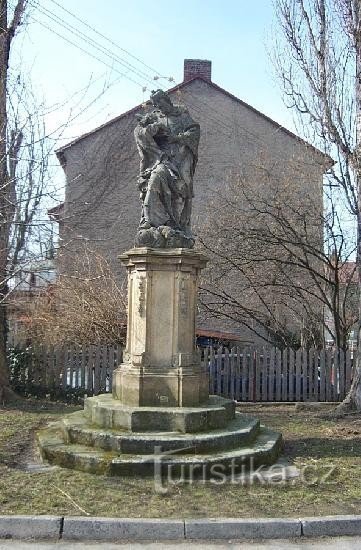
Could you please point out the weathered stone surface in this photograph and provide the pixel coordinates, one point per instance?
(264, 450)
(163, 237)
(114, 529)
(240, 431)
(167, 139)
(331, 526)
(30, 527)
(161, 363)
(226, 528)
(55, 450)
(160, 418)
(106, 412)
(170, 387)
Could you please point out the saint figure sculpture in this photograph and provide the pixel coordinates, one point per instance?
(167, 140)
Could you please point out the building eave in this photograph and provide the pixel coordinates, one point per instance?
(328, 161)
(55, 212)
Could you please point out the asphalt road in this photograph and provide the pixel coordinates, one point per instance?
(339, 543)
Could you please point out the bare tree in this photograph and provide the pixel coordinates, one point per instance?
(25, 175)
(319, 62)
(8, 28)
(86, 306)
(277, 262)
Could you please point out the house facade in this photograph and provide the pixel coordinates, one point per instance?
(102, 208)
(344, 310)
(31, 283)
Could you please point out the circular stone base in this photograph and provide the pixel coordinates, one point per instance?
(109, 438)
(241, 430)
(264, 450)
(106, 412)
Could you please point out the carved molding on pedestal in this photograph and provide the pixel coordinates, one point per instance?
(141, 295)
(161, 358)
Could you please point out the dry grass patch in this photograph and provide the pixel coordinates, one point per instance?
(310, 442)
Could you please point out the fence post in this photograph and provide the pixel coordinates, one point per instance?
(238, 395)
(341, 376)
(226, 373)
(335, 371)
(232, 373)
(322, 376)
(264, 373)
(284, 374)
(251, 375)
(278, 359)
(103, 371)
(291, 375)
(305, 390)
(219, 371)
(109, 374)
(97, 370)
(298, 374)
(245, 375)
(348, 371)
(311, 374)
(328, 374)
(257, 367)
(212, 369)
(271, 376)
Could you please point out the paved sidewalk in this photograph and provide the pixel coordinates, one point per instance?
(335, 543)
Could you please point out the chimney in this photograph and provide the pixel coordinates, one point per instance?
(197, 67)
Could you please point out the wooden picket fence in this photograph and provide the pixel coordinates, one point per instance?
(271, 374)
(82, 369)
(243, 374)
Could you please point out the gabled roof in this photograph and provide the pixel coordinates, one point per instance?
(327, 158)
(55, 212)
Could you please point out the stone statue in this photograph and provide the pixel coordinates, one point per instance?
(167, 140)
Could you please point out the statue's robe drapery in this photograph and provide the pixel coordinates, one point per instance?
(168, 145)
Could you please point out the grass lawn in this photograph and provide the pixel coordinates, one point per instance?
(309, 441)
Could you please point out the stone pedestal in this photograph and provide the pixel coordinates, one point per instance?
(160, 420)
(161, 364)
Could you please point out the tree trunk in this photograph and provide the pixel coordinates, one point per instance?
(4, 55)
(6, 393)
(7, 33)
(353, 399)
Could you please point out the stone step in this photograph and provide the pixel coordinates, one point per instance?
(106, 412)
(263, 451)
(239, 432)
(78, 457)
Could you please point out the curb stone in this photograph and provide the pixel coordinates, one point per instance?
(113, 529)
(78, 528)
(30, 527)
(331, 526)
(228, 528)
